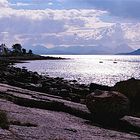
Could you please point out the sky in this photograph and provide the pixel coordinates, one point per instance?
(54, 23)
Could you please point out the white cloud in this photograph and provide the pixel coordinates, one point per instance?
(4, 3)
(50, 3)
(58, 27)
(20, 4)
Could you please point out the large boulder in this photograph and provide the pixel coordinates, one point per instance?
(107, 105)
(131, 89)
(94, 87)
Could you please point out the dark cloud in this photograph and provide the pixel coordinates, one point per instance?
(120, 8)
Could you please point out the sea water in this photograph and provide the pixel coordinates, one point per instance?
(101, 69)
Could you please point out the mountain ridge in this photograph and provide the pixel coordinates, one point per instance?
(81, 50)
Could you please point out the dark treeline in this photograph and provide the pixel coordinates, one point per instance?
(16, 50)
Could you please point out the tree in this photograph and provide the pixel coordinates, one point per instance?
(23, 51)
(5, 51)
(30, 52)
(17, 49)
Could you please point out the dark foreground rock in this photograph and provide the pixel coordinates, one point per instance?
(131, 89)
(94, 87)
(107, 105)
(36, 122)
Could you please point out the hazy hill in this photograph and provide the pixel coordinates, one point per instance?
(136, 52)
(98, 49)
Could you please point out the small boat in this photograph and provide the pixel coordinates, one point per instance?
(114, 62)
(100, 61)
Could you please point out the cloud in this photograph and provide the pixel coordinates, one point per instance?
(20, 4)
(128, 9)
(122, 8)
(64, 27)
(4, 3)
(46, 21)
(50, 3)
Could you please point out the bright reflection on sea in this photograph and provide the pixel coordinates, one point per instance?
(101, 69)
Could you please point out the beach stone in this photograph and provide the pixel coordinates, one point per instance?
(131, 89)
(107, 105)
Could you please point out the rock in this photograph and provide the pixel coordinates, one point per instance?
(75, 98)
(107, 105)
(94, 87)
(53, 91)
(73, 81)
(131, 89)
(84, 92)
(64, 93)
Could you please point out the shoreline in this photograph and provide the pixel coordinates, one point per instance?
(19, 59)
(39, 81)
(69, 90)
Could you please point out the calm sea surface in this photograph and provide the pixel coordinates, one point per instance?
(101, 69)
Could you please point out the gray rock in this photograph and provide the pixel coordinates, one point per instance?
(107, 105)
(64, 93)
(131, 89)
(94, 87)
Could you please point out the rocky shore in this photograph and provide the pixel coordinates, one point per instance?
(60, 97)
(19, 59)
(68, 90)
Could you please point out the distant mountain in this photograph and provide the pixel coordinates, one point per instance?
(136, 52)
(38, 49)
(78, 50)
(87, 50)
(123, 48)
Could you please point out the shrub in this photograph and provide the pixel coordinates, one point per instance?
(4, 124)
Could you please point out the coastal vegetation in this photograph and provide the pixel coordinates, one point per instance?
(4, 124)
(17, 54)
(16, 50)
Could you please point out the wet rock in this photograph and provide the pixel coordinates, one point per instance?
(94, 87)
(107, 105)
(73, 81)
(131, 89)
(53, 91)
(58, 78)
(64, 93)
(75, 97)
(84, 92)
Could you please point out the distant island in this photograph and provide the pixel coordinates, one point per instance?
(136, 52)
